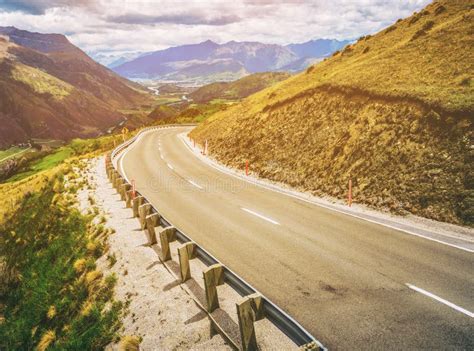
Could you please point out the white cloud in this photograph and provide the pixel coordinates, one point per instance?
(139, 25)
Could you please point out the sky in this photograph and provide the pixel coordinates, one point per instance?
(107, 29)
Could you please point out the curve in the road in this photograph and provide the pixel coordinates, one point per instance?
(345, 279)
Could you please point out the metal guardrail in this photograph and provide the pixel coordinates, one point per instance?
(291, 328)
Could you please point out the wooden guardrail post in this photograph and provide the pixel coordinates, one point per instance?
(152, 221)
(137, 202)
(123, 190)
(167, 235)
(109, 169)
(143, 211)
(186, 252)
(213, 277)
(249, 310)
(118, 182)
(128, 198)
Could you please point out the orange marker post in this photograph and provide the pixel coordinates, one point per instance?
(246, 167)
(133, 189)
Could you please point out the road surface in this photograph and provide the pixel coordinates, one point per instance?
(353, 284)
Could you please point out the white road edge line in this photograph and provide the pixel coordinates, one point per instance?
(195, 184)
(439, 299)
(122, 155)
(268, 187)
(259, 215)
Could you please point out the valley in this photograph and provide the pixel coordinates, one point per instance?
(245, 175)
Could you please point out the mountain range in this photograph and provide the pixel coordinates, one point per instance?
(49, 88)
(209, 61)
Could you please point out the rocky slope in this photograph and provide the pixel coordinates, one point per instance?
(51, 89)
(393, 112)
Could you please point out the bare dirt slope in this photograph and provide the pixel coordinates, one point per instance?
(392, 111)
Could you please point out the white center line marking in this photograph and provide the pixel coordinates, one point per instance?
(170, 166)
(439, 299)
(259, 215)
(195, 184)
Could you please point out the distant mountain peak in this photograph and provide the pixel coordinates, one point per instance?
(253, 57)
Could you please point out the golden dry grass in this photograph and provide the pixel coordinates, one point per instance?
(436, 67)
(393, 112)
(80, 265)
(129, 343)
(12, 193)
(46, 340)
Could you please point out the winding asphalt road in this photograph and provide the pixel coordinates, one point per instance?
(352, 283)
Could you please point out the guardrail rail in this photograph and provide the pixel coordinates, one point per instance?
(260, 306)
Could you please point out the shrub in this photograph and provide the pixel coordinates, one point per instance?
(347, 50)
(112, 259)
(390, 29)
(414, 19)
(418, 34)
(428, 25)
(93, 277)
(465, 81)
(423, 31)
(439, 10)
(129, 343)
(80, 265)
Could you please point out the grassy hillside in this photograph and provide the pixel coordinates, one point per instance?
(30, 173)
(392, 111)
(51, 89)
(52, 296)
(238, 89)
(187, 113)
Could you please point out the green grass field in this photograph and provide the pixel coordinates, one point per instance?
(44, 163)
(5, 154)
